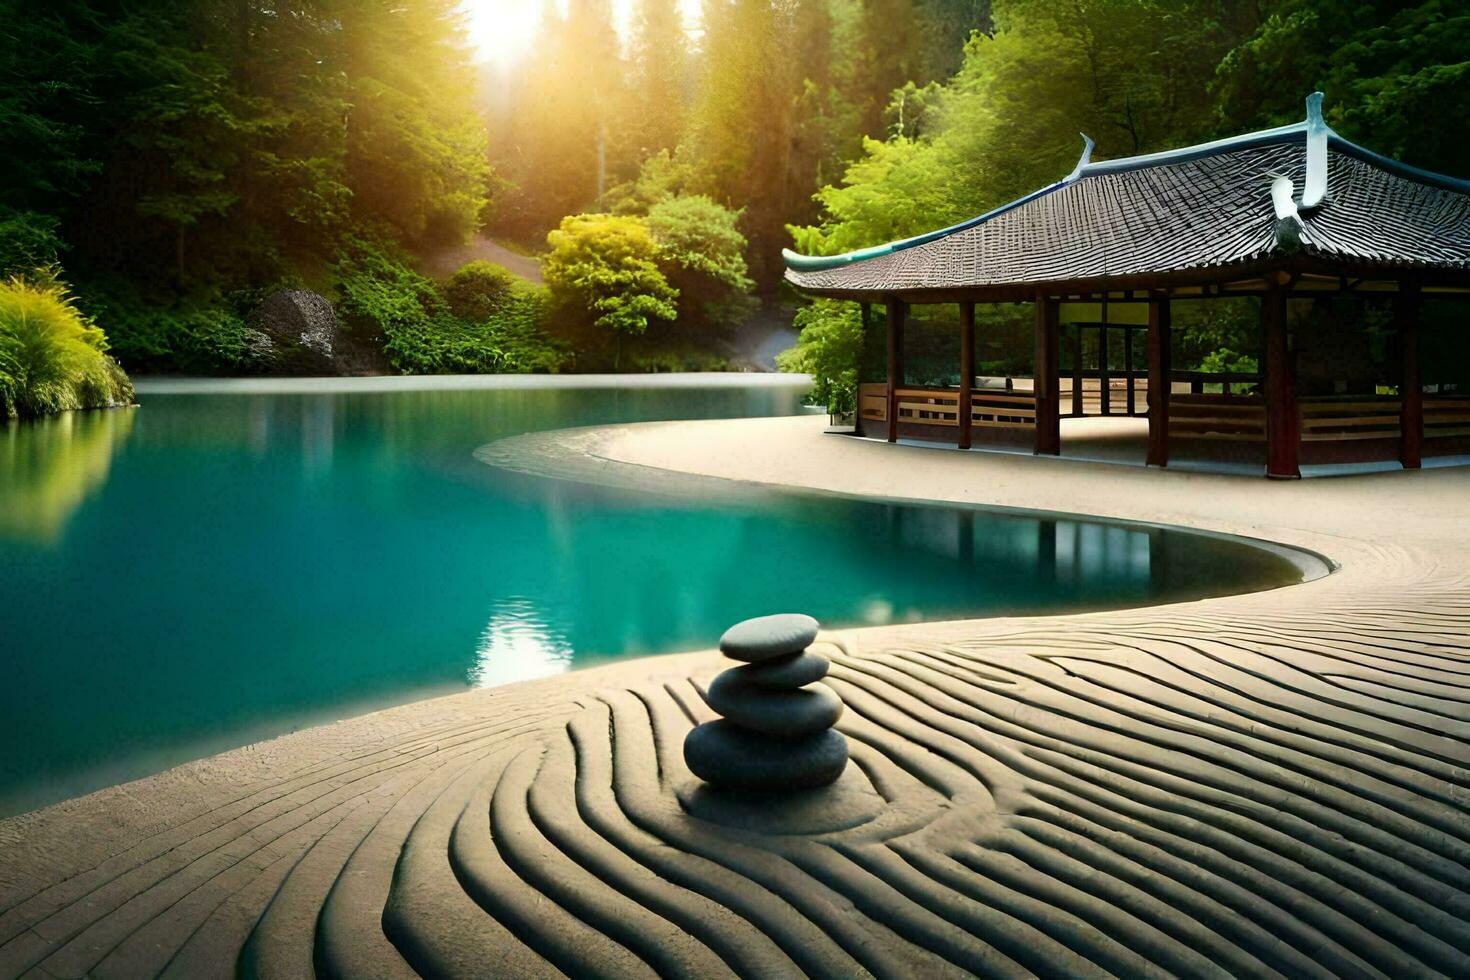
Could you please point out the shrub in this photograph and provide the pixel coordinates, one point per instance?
(51, 356)
(199, 335)
(828, 348)
(514, 327)
(478, 289)
(378, 292)
(661, 176)
(482, 329)
(603, 268)
(702, 254)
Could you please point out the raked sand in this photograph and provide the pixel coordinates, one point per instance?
(1273, 783)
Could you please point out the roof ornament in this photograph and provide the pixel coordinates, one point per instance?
(1317, 132)
(1288, 221)
(1083, 160)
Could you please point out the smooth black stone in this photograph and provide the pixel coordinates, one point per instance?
(768, 637)
(849, 802)
(726, 755)
(792, 670)
(772, 711)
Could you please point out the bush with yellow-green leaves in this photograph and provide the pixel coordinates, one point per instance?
(52, 357)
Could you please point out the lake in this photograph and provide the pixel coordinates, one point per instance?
(234, 560)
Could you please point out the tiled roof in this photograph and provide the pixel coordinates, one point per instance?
(1206, 208)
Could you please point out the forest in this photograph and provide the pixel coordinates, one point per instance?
(168, 164)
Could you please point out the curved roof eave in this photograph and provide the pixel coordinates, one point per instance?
(817, 263)
(798, 263)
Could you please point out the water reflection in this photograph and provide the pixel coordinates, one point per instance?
(518, 645)
(352, 550)
(1085, 563)
(49, 467)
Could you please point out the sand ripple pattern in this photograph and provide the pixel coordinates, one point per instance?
(1197, 791)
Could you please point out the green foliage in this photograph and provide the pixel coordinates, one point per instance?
(28, 240)
(699, 238)
(203, 334)
(659, 76)
(52, 358)
(606, 265)
(897, 190)
(193, 149)
(478, 289)
(702, 254)
(422, 332)
(1227, 361)
(1005, 124)
(828, 347)
(1396, 75)
(1215, 331)
(662, 175)
(416, 149)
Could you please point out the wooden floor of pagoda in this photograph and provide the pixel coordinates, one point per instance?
(1124, 440)
(1268, 784)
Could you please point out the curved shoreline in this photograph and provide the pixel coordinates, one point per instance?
(599, 455)
(1275, 781)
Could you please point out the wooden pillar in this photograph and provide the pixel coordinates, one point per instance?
(1128, 367)
(895, 364)
(1076, 370)
(967, 373)
(1411, 389)
(1160, 373)
(1104, 378)
(1282, 428)
(1047, 383)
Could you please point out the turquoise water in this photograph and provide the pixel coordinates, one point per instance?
(214, 568)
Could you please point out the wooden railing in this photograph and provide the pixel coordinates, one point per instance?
(1237, 418)
(1341, 420)
(1446, 417)
(993, 407)
(873, 402)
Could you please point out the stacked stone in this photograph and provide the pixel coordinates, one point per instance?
(776, 733)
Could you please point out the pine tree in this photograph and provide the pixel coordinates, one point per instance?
(660, 76)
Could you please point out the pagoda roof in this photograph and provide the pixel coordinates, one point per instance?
(1297, 198)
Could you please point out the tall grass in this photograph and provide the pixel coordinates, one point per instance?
(52, 357)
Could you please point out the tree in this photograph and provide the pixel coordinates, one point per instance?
(562, 136)
(743, 131)
(702, 254)
(828, 347)
(416, 152)
(1007, 122)
(1396, 75)
(660, 77)
(604, 267)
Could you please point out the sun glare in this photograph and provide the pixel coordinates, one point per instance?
(501, 31)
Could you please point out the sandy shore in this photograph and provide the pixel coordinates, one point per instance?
(1260, 784)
